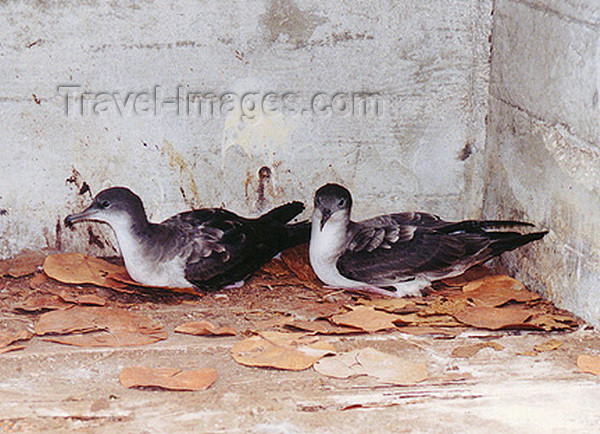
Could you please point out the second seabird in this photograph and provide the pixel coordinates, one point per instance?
(207, 248)
(404, 252)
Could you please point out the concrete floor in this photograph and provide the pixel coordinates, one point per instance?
(49, 387)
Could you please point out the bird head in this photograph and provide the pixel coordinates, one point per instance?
(116, 206)
(333, 202)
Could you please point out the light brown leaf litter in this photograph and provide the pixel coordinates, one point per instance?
(168, 378)
(589, 364)
(205, 328)
(99, 326)
(8, 341)
(37, 302)
(366, 318)
(25, 263)
(549, 345)
(547, 320)
(41, 282)
(386, 368)
(496, 282)
(322, 327)
(466, 351)
(391, 305)
(281, 350)
(76, 268)
(298, 262)
(491, 318)
(473, 273)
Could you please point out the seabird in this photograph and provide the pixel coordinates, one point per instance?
(207, 248)
(402, 252)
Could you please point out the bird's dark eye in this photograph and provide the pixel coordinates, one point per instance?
(342, 202)
(104, 204)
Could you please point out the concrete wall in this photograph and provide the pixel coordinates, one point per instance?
(427, 60)
(543, 156)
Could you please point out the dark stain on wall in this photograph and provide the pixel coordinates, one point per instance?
(94, 240)
(85, 188)
(465, 152)
(264, 178)
(283, 17)
(58, 235)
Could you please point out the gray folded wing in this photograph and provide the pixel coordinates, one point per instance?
(210, 241)
(395, 247)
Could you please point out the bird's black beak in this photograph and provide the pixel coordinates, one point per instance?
(87, 214)
(325, 215)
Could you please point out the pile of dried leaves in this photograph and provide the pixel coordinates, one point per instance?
(74, 301)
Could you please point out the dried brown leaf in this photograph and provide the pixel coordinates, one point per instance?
(391, 305)
(289, 351)
(495, 291)
(114, 339)
(366, 318)
(205, 328)
(387, 368)
(86, 299)
(112, 327)
(270, 323)
(550, 321)
(504, 282)
(168, 378)
(24, 264)
(298, 262)
(68, 294)
(322, 327)
(37, 302)
(433, 320)
(276, 268)
(7, 339)
(76, 268)
(10, 348)
(473, 273)
(493, 318)
(549, 345)
(466, 351)
(589, 364)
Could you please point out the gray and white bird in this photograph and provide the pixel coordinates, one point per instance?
(207, 248)
(402, 252)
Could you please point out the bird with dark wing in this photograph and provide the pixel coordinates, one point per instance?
(400, 254)
(207, 248)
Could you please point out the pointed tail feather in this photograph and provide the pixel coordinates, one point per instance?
(512, 241)
(485, 225)
(284, 213)
(504, 224)
(297, 233)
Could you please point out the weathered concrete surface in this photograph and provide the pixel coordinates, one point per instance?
(429, 62)
(543, 158)
(547, 63)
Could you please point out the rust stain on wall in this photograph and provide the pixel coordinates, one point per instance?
(264, 182)
(178, 162)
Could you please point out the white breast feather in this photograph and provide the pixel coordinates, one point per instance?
(145, 270)
(326, 247)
